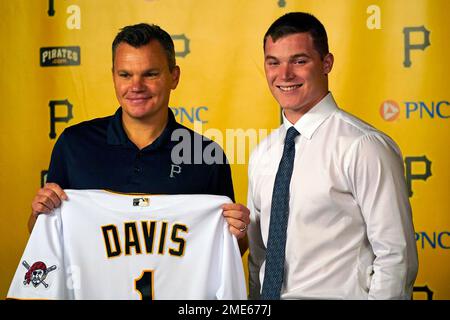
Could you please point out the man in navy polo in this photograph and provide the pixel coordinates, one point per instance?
(132, 150)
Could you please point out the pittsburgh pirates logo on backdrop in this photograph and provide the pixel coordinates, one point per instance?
(60, 56)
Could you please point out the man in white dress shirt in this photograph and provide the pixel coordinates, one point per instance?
(349, 233)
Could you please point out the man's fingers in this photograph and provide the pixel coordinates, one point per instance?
(238, 215)
(48, 198)
(55, 193)
(45, 201)
(238, 218)
(56, 189)
(233, 206)
(237, 224)
(236, 232)
(39, 207)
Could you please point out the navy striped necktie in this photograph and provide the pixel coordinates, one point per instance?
(279, 215)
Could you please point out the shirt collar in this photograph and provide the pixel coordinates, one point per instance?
(116, 133)
(310, 122)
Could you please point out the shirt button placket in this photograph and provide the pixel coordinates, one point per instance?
(138, 163)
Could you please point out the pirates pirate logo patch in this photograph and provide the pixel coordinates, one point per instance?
(36, 273)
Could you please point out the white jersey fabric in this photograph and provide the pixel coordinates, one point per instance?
(102, 245)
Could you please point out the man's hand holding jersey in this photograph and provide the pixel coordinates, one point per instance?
(51, 195)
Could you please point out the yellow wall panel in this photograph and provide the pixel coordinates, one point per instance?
(219, 47)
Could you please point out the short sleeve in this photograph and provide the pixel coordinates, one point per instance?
(57, 171)
(41, 271)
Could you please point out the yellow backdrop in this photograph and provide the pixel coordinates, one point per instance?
(391, 65)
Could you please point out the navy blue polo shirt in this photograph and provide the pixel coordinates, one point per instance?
(97, 154)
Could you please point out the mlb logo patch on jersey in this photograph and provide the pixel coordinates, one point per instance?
(141, 202)
(36, 273)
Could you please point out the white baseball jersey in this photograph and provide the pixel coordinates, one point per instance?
(102, 245)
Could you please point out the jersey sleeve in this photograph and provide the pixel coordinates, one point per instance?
(57, 170)
(221, 181)
(232, 284)
(41, 272)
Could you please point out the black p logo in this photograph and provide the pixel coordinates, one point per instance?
(426, 290)
(185, 45)
(51, 8)
(416, 176)
(417, 46)
(54, 118)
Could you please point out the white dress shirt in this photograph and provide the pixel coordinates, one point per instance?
(350, 233)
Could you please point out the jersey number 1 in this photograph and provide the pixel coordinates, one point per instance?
(144, 285)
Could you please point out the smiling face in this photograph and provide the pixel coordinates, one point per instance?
(143, 81)
(296, 73)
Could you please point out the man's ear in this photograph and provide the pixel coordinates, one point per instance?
(175, 76)
(328, 63)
